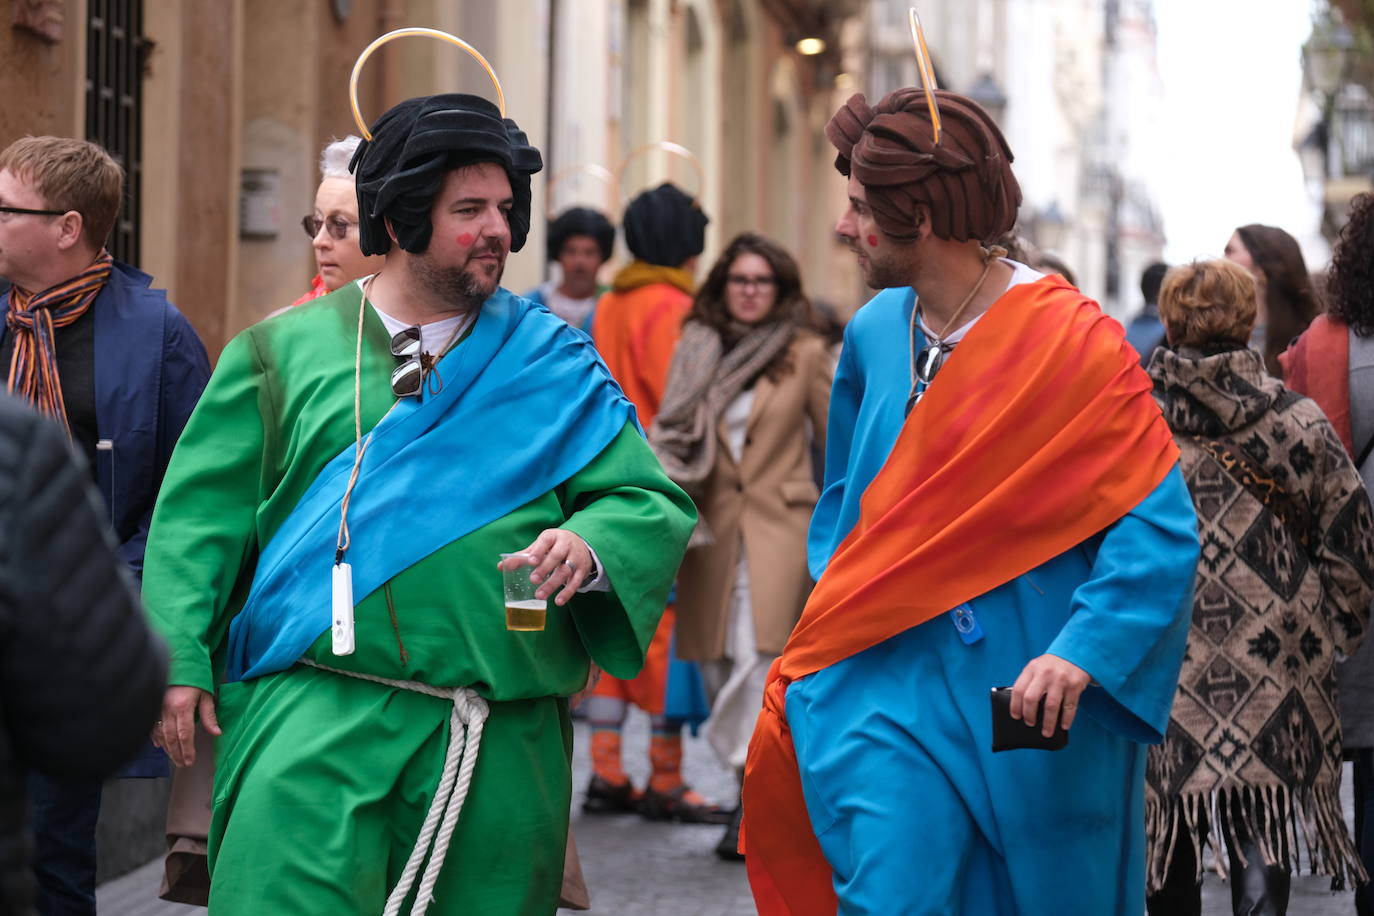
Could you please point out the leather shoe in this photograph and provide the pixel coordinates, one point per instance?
(728, 847)
(683, 805)
(606, 797)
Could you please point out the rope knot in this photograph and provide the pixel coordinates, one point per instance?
(469, 706)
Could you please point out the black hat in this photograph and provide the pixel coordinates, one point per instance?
(581, 221)
(401, 169)
(665, 226)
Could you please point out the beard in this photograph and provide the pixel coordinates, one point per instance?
(885, 276)
(465, 287)
(885, 273)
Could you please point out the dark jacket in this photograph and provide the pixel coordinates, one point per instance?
(150, 368)
(81, 674)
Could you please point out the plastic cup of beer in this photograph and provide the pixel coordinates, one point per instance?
(524, 612)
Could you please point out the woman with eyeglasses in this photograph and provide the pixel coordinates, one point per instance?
(1251, 760)
(746, 398)
(333, 226)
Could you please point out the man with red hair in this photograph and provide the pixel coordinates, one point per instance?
(1002, 507)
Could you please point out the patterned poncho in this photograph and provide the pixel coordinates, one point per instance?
(1283, 588)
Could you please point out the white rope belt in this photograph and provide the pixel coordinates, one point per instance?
(464, 741)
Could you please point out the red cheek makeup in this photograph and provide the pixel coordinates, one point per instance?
(872, 241)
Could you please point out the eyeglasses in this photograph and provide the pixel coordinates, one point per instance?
(338, 226)
(33, 212)
(747, 282)
(407, 378)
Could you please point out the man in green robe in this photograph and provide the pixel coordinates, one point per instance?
(500, 431)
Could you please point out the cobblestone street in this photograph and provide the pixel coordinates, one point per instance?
(634, 866)
(637, 868)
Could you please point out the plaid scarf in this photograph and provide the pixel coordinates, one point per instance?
(33, 320)
(702, 381)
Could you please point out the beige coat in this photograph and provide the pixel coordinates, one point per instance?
(765, 501)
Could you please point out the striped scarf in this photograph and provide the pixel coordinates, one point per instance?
(33, 320)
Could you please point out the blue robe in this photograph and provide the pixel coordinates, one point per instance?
(912, 809)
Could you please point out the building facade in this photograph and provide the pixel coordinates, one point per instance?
(1334, 134)
(1075, 87)
(218, 112)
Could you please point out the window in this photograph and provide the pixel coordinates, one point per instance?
(115, 50)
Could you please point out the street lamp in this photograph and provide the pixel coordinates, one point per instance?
(1049, 227)
(1313, 152)
(990, 96)
(1324, 56)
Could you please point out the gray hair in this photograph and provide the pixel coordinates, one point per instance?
(336, 156)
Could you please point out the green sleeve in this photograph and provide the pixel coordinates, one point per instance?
(203, 532)
(638, 522)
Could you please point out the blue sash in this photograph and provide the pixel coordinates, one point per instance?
(526, 403)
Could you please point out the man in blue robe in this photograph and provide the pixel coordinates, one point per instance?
(1006, 511)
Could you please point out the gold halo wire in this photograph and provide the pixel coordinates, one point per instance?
(599, 172)
(924, 68)
(667, 146)
(408, 33)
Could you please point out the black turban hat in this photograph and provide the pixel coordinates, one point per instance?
(401, 169)
(966, 180)
(665, 226)
(581, 221)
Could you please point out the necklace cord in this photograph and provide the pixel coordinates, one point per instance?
(951, 324)
(990, 257)
(359, 443)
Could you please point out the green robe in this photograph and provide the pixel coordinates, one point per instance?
(323, 780)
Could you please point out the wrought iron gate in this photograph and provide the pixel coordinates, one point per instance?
(115, 50)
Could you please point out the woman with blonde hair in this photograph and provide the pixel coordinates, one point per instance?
(1251, 760)
(746, 399)
(333, 224)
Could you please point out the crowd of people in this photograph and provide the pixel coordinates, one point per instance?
(996, 607)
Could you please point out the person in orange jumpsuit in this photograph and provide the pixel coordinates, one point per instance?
(636, 327)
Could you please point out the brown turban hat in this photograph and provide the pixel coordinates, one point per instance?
(965, 181)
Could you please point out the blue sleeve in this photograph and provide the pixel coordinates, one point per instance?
(1129, 622)
(828, 526)
(185, 372)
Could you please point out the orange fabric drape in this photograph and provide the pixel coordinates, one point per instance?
(636, 331)
(1318, 365)
(1039, 432)
(317, 289)
(649, 689)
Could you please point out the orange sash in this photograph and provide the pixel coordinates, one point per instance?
(1039, 432)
